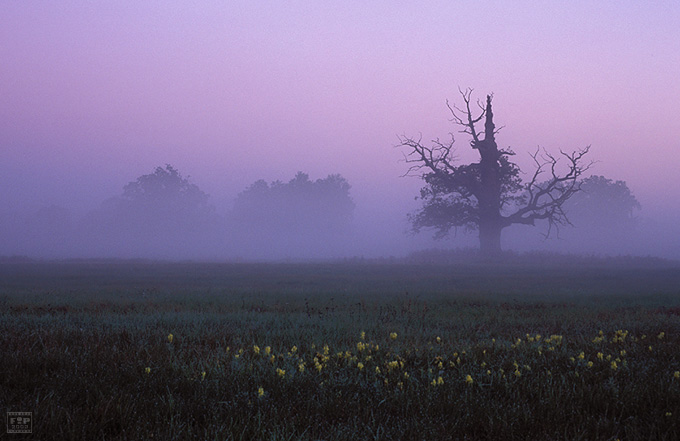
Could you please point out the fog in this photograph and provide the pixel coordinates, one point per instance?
(305, 226)
(95, 96)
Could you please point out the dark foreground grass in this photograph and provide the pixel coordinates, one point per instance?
(346, 351)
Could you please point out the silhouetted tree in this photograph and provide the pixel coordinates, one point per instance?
(165, 193)
(488, 195)
(602, 204)
(157, 213)
(298, 206)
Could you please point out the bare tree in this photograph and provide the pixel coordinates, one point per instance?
(488, 195)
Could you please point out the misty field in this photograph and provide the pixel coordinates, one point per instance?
(344, 351)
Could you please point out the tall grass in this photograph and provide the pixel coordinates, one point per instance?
(359, 351)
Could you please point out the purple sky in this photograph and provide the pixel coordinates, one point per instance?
(96, 93)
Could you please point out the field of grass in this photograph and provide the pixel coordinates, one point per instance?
(345, 351)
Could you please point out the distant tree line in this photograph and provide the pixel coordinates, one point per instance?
(300, 205)
(166, 212)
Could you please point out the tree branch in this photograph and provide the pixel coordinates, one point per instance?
(435, 163)
(545, 199)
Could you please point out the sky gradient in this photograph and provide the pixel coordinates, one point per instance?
(96, 93)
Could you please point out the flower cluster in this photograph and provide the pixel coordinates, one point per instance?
(400, 367)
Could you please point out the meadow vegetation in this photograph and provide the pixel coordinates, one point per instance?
(341, 351)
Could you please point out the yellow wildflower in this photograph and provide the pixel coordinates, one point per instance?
(260, 392)
(256, 349)
(363, 335)
(668, 414)
(377, 369)
(170, 338)
(393, 335)
(293, 349)
(676, 375)
(438, 340)
(280, 372)
(590, 364)
(469, 380)
(440, 381)
(613, 365)
(267, 350)
(360, 365)
(148, 370)
(301, 367)
(202, 375)
(661, 335)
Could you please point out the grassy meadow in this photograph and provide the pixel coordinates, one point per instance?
(588, 350)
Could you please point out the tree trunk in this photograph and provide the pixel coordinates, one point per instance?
(489, 196)
(490, 239)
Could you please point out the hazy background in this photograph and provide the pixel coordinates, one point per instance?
(94, 94)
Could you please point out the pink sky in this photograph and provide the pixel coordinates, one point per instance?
(94, 94)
